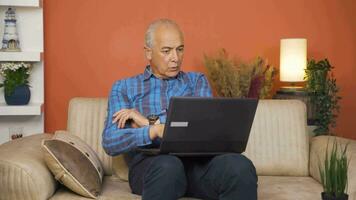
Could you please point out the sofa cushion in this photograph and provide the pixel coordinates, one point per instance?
(284, 187)
(23, 172)
(113, 189)
(120, 166)
(74, 164)
(279, 143)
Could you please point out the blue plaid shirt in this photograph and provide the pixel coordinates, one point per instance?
(148, 95)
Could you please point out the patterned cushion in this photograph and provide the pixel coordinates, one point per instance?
(74, 164)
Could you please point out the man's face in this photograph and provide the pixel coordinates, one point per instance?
(166, 54)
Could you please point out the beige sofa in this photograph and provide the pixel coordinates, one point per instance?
(285, 157)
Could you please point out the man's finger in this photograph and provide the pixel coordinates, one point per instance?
(123, 121)
(124, 114)
(120, 114)
(116, 119)
(119, 121)
(120, 111)
(115, 114)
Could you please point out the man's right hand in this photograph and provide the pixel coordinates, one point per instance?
(156, 131)
(123, 115)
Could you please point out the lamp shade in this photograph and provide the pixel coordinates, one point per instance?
(293, 59)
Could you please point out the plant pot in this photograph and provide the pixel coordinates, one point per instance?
(327, 197)
(20, 96)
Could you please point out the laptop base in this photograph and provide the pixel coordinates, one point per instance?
(156, 151)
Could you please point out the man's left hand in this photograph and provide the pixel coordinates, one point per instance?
(123, 115)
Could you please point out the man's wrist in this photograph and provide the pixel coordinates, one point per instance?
(143, 136)
(152, 132)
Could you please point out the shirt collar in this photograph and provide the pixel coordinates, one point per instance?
(148, 73)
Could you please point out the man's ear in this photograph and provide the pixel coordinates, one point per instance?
(148, 52)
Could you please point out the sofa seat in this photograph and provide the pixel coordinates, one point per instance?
(113, 189)
(284, 187)
(269, 188)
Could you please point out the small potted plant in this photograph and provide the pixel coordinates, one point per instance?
(333, 173)
(323, 93)
(15, 82)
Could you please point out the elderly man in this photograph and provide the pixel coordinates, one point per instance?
(136, 116)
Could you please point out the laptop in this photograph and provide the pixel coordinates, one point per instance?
(202, 126)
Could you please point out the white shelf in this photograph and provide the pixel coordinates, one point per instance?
(29, 16)
(30, 56)
(22, 3)
(30, 109)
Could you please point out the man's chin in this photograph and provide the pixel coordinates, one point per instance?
(172, 74)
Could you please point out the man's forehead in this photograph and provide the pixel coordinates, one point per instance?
(167, 43)
(169, 36)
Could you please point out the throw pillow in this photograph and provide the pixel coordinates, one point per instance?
(74, 164)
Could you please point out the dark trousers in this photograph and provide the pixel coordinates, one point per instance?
(166, 177)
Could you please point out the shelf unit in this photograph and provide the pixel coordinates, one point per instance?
(30, 56)
(30, 109)
(23, 3)
(29, 15)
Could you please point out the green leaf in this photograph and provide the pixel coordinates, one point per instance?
(323, 93)
(334, 174)
(12, 79)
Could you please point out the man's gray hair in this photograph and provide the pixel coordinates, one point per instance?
(152, 28)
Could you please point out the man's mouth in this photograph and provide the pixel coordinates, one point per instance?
(173, 68)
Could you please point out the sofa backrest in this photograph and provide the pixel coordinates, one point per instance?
(86, 117)
(278, 143)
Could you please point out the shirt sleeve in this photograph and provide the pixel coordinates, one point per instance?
(202, 87)
(115, 140)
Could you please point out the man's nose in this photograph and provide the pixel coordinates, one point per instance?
(174, 56)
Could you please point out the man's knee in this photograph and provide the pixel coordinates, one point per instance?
(236, 165)
(167, 167)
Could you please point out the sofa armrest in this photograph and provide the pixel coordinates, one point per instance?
(317, 153)
(23, 172)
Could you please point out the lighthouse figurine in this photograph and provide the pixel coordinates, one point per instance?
(10, 41)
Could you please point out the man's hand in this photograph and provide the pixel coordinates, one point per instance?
(123, 115)
(156, 131)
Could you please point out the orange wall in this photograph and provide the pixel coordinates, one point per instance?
(91, 43)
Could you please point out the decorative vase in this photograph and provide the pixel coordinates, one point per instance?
(20, 96)
(327, 197)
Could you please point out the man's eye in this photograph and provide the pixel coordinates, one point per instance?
(180, 50)
(165, 52)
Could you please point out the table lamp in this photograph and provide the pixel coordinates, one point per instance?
(293, 61)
